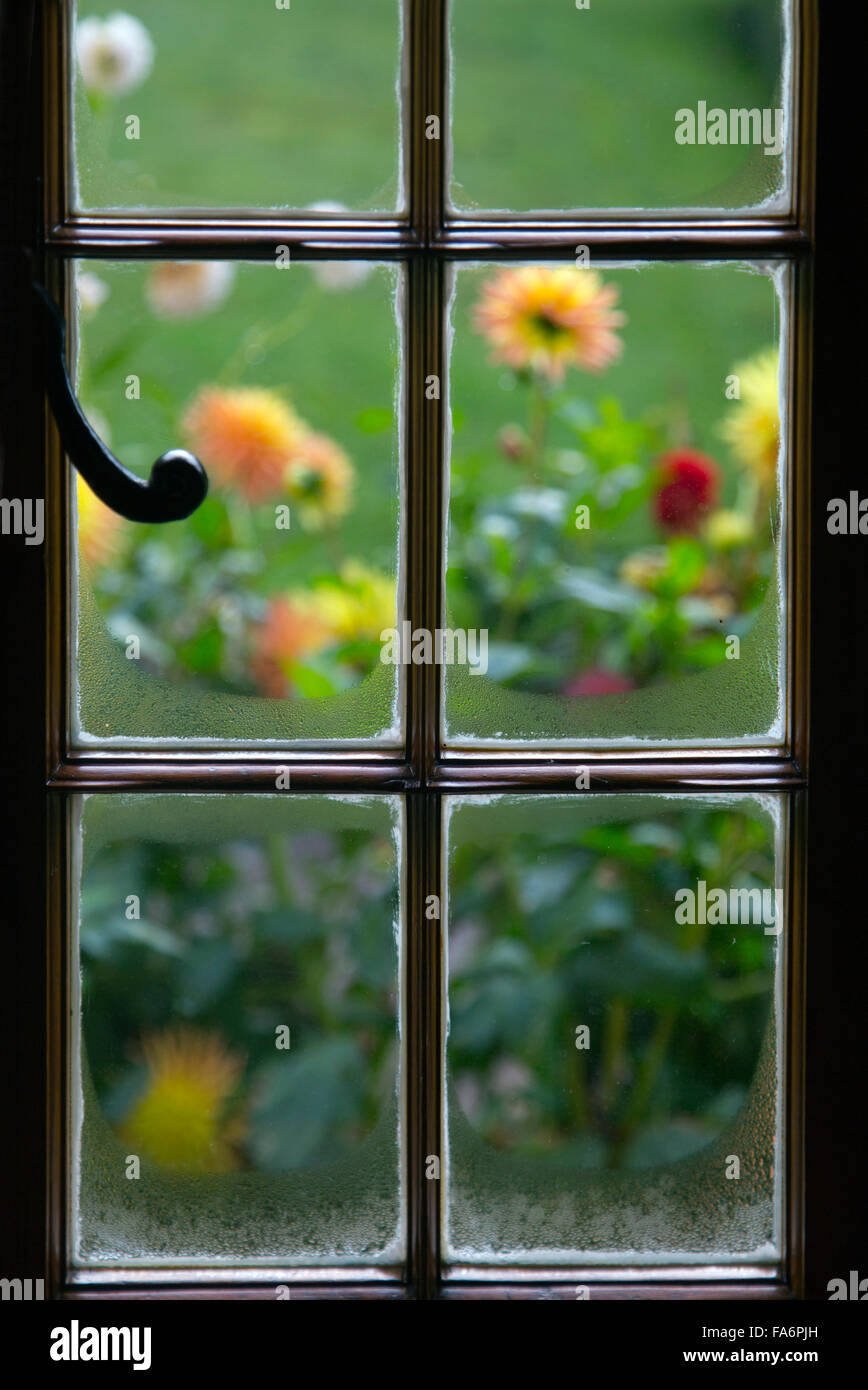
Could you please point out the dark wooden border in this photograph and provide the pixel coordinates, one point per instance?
(826, 1178)
(836, 964)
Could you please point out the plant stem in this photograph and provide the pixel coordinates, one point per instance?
(539, 412)
(614, 1050)
(276, 849)
(646, 1080)
(332, 541)
(578, 1081)
(280, 332)
(539, 419)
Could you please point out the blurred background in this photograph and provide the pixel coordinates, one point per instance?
(615, 501)
(285, 383)
(571, 386)
(196, 949)
(553, 107)
(605, 1063)
(562, 916)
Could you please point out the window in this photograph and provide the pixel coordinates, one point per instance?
(426, 811)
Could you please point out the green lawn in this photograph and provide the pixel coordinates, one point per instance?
(248, 105)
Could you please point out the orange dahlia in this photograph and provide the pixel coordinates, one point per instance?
(245, 437)
(293, 629)
(319, 478)
(549, 318)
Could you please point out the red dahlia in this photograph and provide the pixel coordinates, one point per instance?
(598, 681)
(688, 484)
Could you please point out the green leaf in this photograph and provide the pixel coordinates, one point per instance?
(98, 939)
(311, 681)
(204, 652)
(301, 1101)
(507, 659)
(208, 968)
(288, 926)
(210, 523)
(598, 591)
(685, 565)
(710, 651)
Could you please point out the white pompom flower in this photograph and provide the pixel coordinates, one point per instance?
(185, 289)
(338, 275)
(114, 54)
(92, 291)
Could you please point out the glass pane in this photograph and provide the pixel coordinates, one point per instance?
(226, 104)
(617, 505)
(237, 1069)
(259, 617)
(671, 105)
(615, 1027)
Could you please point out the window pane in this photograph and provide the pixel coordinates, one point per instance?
(616, 507)
(259, 617)
(224, 104)
(671, 105)
(237, 1069)
(614, 1046)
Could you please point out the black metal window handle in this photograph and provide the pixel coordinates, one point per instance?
(178, 482)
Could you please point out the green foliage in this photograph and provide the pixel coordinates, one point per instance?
(551, 930)
(239, 940)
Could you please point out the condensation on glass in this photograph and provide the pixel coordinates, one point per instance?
(671, 106)
(613, 1070)
(215, 104)
(236, 1042)
(617, 514)
(257, 619)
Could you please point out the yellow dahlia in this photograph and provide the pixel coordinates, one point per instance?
(727, 529)
(101, 532)
(245, 437)
(292, 630)
(357, 605)
(644, 568)
(319, 478)
(180, 1120)
(752, 428)
(549, 318)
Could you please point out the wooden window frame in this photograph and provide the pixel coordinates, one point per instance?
(40, 770)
